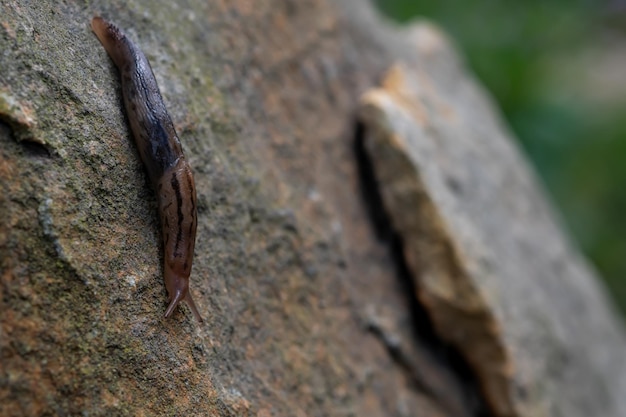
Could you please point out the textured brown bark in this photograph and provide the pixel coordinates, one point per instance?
(314, 303)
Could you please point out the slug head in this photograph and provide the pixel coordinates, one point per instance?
(178, 289)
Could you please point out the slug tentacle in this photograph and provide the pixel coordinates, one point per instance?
(174, 301)
(162, 155)
(193, 307)
(178, 297)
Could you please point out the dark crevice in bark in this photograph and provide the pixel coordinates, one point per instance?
(36, 150)
(423, 329)
(24, 138)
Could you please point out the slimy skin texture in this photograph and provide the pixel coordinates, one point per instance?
(163, 158)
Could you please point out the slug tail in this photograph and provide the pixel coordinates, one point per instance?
(113, 39)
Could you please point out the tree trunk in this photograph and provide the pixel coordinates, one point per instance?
(370, 241)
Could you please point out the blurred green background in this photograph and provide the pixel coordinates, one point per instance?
(558, 71)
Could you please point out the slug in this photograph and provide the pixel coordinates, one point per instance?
(162, 155)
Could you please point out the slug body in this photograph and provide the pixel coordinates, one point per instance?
(162, 156)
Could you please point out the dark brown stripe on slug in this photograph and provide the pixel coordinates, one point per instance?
(192, 188)
(179, 212)
(162, 156)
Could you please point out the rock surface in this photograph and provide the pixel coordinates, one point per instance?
(490, 265)
(308, 299)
